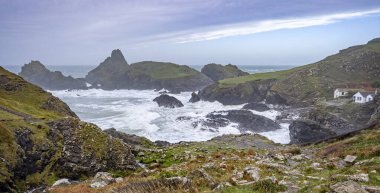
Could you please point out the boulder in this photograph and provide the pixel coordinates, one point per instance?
(256, 107)
(167, 101)
(246, 120)
(194, 98)
(219, 72)
(61, 182)
(201, 175)
(306, 131)
(348, 187)
(252, 173)
(350, 158)
(101, 179)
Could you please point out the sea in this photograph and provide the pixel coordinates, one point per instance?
(134, 112)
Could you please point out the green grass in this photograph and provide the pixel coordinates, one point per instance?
(259, 76)
(161, 71)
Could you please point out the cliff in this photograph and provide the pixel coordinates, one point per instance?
(42, 139)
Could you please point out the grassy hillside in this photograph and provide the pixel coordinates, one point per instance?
(357, 64)
(161, 70)
(221, 165)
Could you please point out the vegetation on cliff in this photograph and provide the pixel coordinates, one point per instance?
(42, 139)
(307, 84)
(219, 72)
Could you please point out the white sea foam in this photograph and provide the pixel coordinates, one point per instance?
(134, 112)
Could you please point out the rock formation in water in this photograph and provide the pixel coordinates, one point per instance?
(115, 73)
(167, 101)
(36, 73)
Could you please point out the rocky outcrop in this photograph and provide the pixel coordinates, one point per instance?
(194, 98)
(109, 74)
(348, 187)
(256, 107)
(167, 101)
(335, 120)
(87, 150)
(42, 139)
(102, 179)
(219, 72)
(36, 73)
(252, 91)
(246, 120)
(115, 73)
(136, 142)
(306, 131)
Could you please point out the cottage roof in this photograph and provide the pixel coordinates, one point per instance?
(365, 94)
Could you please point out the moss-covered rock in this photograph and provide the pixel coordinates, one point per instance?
(219, 72)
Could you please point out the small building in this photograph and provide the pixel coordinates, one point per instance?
(344, 92)
(363, 97)
(341, 92)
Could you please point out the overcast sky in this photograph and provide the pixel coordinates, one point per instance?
(193, 32)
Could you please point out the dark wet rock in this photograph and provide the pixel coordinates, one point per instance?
(167, 101)
(36, 73)
(183, 118)
(194, 98)
(330, 121)
(275, 99)
(306, 131)
(246, 120)
(248, 92)
(219, 72)
(133, 140)
(256, 106)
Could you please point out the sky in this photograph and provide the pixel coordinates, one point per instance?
(189, 32)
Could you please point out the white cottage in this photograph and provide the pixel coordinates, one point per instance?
(363, 97)
(340, 92)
